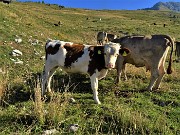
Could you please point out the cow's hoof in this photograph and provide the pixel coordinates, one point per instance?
(156, 89)
(125, 79)
(49, 93)
(116, 82)
(47, 96)
(143, 90)
(150, 90)
(98, 102)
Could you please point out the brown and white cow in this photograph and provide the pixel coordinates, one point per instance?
(77, 58)
(103, 37)
(149, 51)
(6, 1)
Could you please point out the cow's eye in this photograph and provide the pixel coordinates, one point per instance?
(104, 53)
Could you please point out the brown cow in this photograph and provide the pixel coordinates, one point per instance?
(149, 51)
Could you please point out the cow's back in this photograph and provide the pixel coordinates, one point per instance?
(144, 49)
(143, 42)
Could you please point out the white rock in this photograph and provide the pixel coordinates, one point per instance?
(73, 127)
(12, 59)
(36, 52)
(50, 132)
(1, 71)
(18, 62)
(18, 40)
(35, 42)
(42, 57)
(72, 100)
(16, 52)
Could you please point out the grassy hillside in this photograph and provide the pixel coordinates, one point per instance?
(125, 109)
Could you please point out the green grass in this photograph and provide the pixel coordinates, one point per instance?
(125, 109)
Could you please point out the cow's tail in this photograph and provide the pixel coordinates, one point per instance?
(169, 69)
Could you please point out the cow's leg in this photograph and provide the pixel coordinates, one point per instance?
(94, 86)
(124, 72)
(98, 42)
(119, 67)
(101, 42)
(44, 80)
(161, 74)
(154, 77)
(49, 79)
(162, 71)
(46, 77)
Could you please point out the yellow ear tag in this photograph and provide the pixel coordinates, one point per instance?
(99, 52)
(124, 54)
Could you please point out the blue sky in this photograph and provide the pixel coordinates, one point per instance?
(105, 4)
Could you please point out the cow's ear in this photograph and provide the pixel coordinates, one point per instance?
(66, 45)
(98, 50)
(124, 51)
(49, 40)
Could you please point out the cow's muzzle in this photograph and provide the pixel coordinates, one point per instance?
(110, 65)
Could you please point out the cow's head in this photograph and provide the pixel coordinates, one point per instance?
(111, 52)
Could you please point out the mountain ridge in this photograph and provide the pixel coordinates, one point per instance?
(167, 6)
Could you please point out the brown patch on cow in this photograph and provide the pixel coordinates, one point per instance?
(52, 50)
(74, 52)
(97, 59)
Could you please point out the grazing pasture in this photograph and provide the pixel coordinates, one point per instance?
(125, 108)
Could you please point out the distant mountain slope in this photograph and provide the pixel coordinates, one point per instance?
(174, 6)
